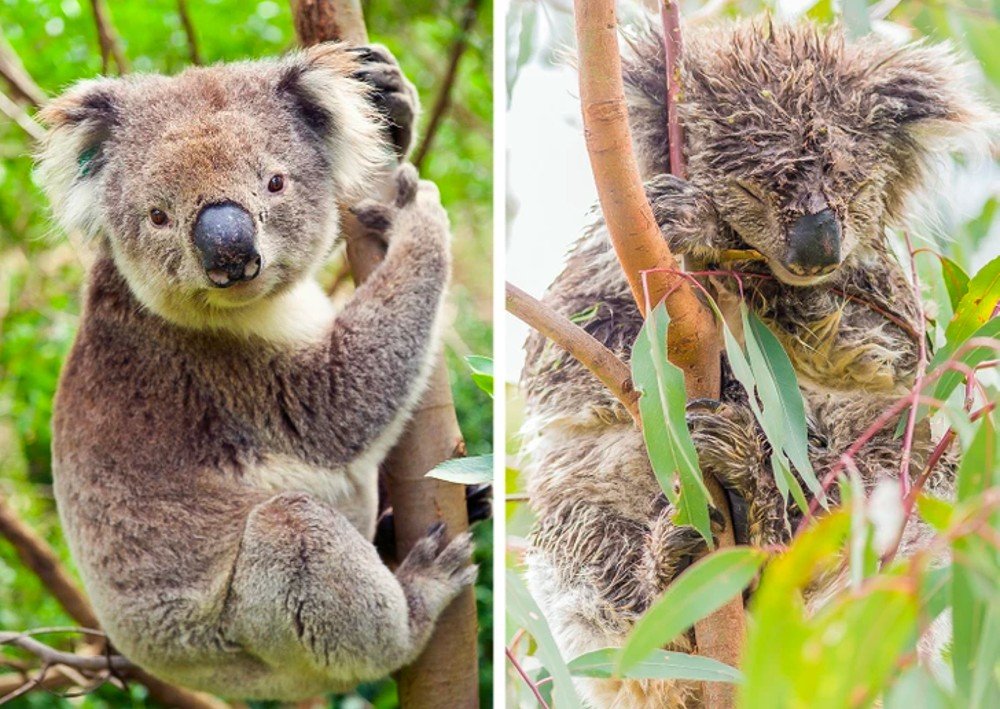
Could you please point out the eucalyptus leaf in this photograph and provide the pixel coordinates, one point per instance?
(659, 664)
(662, 406)
(700, 590)
(482, 372)
(474, 470)
(524, 610)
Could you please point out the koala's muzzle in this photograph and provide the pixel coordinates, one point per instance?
(814, 244)
(225, 236)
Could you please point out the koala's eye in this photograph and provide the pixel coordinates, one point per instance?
(158, 217)
(276, 184)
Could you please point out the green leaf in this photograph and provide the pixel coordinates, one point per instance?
(856, 18)
(971, 358)
(660, 664)
(482, 372)
(474, 470)
(917, 688)
(526, 613)
(936, 512)
(703, 588)
(973, 603)
(956, 280)
(976, 306)
(778, 388)
(662, 406)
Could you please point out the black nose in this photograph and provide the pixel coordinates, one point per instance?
(224, 235)
(814, 244)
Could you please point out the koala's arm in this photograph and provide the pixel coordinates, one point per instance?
(687, 217)
(379, 352)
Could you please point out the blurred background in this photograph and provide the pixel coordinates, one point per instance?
(41, 274)
(550, 187)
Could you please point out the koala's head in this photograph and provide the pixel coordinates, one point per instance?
(219, 187)
(809, 145)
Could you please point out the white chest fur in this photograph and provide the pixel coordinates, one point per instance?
(352, 491)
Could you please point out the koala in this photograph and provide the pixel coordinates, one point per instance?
(805, 148)
(218, 426)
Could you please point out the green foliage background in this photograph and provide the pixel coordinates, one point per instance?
(40, 274)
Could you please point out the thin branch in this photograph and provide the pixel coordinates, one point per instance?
(192, 38)
(17, 114)
(443, 99)
(527, 680)
(593, 355)
(50, 656)
(108, 39)
(670, 15)
(14, 73)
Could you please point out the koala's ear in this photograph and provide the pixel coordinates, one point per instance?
(923, 93)
(73, 152)
(334, 108)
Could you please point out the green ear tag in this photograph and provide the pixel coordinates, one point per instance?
(84, 160)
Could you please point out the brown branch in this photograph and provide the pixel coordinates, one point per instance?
(50, 656)
(108, 39)
(17, 114)
(192, 38)
(586, 349)
(39, 557)
(443, 99)
(446, 673)
(14, 73)
(694, 342)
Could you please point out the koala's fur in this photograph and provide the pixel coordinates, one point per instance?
(780, 120)
(216, 450)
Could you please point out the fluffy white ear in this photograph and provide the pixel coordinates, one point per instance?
(72, 155)
(335, 108)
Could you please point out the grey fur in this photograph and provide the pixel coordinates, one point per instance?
(216, 452)
(805, 121)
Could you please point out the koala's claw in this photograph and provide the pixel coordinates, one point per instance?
(392, 94)
(479, 502)
(407, 184)
(704, 404)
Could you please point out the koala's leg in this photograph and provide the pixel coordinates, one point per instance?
(309, 595)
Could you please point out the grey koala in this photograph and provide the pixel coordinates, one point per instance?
(218, 427)
(803, 147)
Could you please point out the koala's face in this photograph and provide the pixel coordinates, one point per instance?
(809, 146)
(219, 187)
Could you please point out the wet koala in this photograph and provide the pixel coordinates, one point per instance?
(218, 427)
(805, 148)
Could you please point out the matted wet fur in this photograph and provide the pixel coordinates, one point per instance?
(782, 122)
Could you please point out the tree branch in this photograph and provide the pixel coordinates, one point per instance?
(21, 117)
(14, 73)
(39, 557)
(694, 343)
(192, 38)
(593, 355)
(446, 673)
(443, 99)
(108, 39)
(50, 656)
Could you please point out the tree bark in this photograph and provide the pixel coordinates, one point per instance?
(693, 340)
(446, 674)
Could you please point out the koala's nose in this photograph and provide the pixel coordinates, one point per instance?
(814, 244)
(224, 235)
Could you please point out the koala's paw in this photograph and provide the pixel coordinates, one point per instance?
(674, 547)
(416, 205)
(729, 444)
(436, 571)
(685, 213)
(479, 502)
(393, 95)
